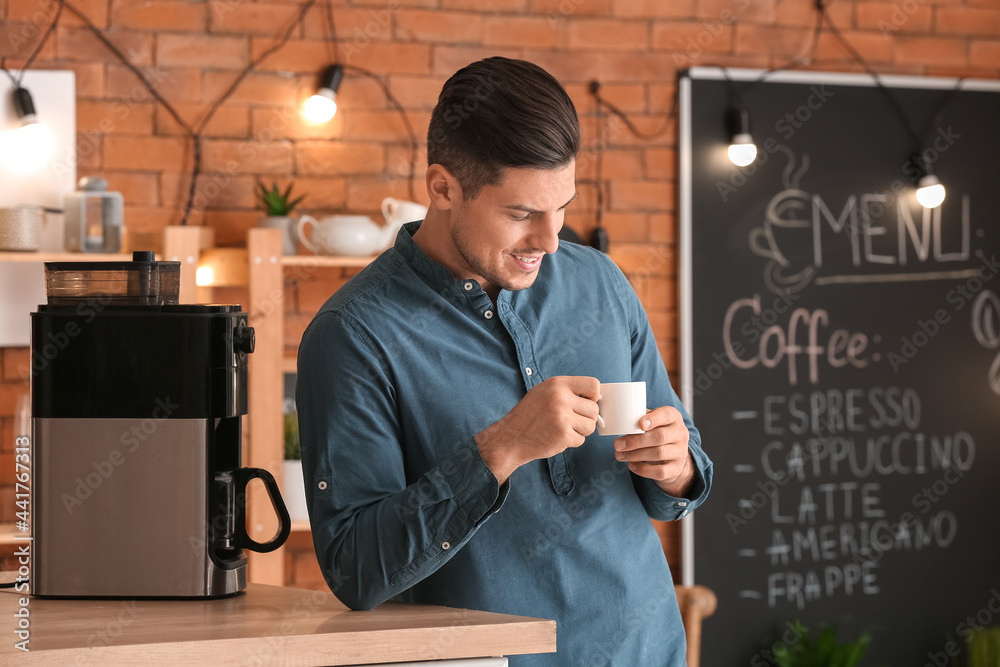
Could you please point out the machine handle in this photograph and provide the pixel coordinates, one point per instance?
(243, 540)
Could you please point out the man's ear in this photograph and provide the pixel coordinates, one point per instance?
(442, 188)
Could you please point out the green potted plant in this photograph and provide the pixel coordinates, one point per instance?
(823, 651)
(294, 491)
(278, 206)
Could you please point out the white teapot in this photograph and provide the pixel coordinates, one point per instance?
(358, 235)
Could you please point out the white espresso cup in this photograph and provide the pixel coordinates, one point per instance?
(621, 406)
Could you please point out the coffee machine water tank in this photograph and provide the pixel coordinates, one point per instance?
(137, 486)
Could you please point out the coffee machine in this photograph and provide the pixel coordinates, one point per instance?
(137, 488)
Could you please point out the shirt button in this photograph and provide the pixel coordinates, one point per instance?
(446, 546)
(488, 314)
(321, 485)
(527, 370)
(682, 503)
(468, 286)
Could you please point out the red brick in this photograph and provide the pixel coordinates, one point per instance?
(137, 188)
(255, 18)
(984, 54)
(323, 158)
(352, 23)
(81, 44)
(803, 14)
(114, 117)
(257, 88)
(662, 97)
(89, 150)
(228, 120)
(626, 227)
(357, 91)
(634, 67)
(254, 157)
(661, 163)
(215, 190)
(416, 92)
(774, 41)
(19, 40)
(287, 123)
(565, 9)
(231, 227)
(147, 153)
(321, 193)
(43, 12)
(173, 83)
(383, 125)
(663, 228)
(16, 363)
(930, 50)
(310, 57)
(200, 50)
(692, 38)
(744, 11)
(643, 260)
(365, 195)
(531, 32)
(608, 35)
(642, 195)
(627, 97)
(146, 219)
(494, 5)
(10, 392)
(439, 26)
(159, 15)
(653, 8)
(889, 19)
(449, 59)
(966, 21)
(872, 47)
(397, 164)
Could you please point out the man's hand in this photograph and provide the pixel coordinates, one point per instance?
(555, 414)
(661, 453)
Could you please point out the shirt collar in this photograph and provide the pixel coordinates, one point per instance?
(439, 277)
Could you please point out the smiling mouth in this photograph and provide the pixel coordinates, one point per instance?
(527, 262)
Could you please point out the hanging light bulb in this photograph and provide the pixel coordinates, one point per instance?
(742, 150)
(322, 106)
(930, 192)
(30, 147)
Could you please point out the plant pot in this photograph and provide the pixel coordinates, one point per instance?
(294, 492)
(285, 223)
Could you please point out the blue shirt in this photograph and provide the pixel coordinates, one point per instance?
(398, 372)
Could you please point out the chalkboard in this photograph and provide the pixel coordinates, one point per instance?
(841, 358)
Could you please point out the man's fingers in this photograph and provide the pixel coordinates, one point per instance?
(583, 385)
(661, 416)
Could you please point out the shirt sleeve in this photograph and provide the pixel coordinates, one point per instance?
(376, 531)
(648, 365)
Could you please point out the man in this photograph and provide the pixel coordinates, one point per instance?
(447, 399)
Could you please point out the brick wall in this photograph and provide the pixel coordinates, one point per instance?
(194, 50)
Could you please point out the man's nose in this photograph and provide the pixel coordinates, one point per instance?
(545, 232)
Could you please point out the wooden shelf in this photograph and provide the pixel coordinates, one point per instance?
(324, 261)
(64, 257)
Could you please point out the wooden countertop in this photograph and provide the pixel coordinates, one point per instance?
(263, 625)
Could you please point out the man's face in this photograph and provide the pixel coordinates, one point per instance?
(501, 237)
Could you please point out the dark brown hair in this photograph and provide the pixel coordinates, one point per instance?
(498, 113)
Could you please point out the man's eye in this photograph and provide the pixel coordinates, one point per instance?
(521, 218)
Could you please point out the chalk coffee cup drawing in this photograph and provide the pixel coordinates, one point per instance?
(21, 227)
(621, 406)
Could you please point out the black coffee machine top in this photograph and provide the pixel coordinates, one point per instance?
(137, 400)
